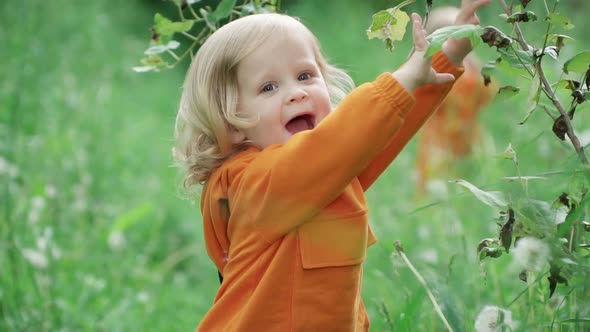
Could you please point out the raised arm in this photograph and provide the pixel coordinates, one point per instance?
(429, 96)
(286, 185)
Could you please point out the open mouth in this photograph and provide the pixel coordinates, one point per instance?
(300, 123)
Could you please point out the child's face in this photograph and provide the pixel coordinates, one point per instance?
(281, 83)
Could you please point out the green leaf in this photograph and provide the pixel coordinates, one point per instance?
(522, 17)
(153, 60)
(132, 216)
(507, 92)
(389, 25)
(166, 27)
(208, 17)
(559, 19)
(579, 63)
(559, 38)
(489, 68)
(551, 51)
(491, 198)
(507, 230)
(256, 7)
(438, 37)
(526, 56)
(223, 10)
(156, 49)
(509, 153)
(518, 60)
(567, 84)
(573, 215)
(490, 252)
(144, 69)
(533, 97)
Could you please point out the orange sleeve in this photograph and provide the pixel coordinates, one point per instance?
(287, 185)
(428, 98)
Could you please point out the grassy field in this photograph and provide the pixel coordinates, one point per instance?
(95, 237)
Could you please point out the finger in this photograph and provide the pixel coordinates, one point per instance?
(419, 35)
(468, 11)
(416, 17)
(443, 78)
(476, 6)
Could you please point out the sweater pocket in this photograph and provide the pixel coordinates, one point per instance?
(334, 242)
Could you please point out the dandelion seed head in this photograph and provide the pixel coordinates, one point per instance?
(531, 254)
(117, 240)
(94, 282)
(429, 255)
(35, 257)
(42, 243)
(56, 252)
(438, 189)
(50, 191)
(33, 217)
(4, 166)
(423, 232)
(35, 142)
(37, 202)
(492, 317)
(143, 297)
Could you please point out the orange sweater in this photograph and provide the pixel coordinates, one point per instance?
(287, 226)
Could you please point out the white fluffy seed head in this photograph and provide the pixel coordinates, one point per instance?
(493, 318)
(531, 254)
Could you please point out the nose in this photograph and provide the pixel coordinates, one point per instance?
(296, 95)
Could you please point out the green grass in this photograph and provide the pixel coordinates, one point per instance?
(86, 183)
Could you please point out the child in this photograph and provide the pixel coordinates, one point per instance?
(284, 212)
(452, 131)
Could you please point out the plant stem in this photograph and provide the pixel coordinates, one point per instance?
(521, 62)
(172, 54)
(548, 90)
(550, 93)
(189, 36)
(180, 13)
(400, 251)
(548, 26)
(192, 11)
(519, 35)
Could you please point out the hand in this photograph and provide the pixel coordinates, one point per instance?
(418, 69)
(457, 49)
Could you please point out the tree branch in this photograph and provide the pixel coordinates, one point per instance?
(519, 36)
(549, 92)
(547, 89)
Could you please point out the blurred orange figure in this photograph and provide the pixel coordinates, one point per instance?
(453, 129)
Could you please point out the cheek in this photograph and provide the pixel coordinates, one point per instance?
(326, 105)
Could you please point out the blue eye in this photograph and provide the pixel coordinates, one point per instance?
(268, 87)
(304, 76)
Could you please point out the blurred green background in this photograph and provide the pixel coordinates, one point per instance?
(95, 237)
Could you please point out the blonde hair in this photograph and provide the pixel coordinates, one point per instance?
(208, 110)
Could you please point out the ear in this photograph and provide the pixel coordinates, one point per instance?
(236, 136)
